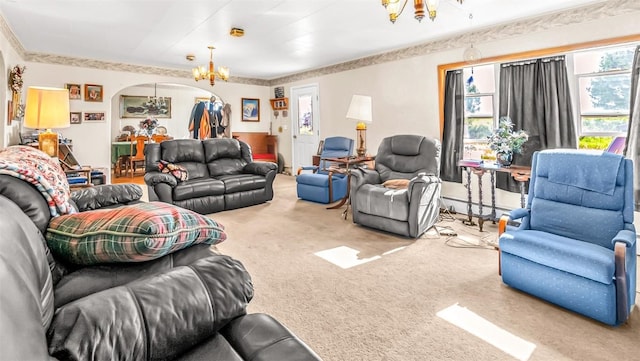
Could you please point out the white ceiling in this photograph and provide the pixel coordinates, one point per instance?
(282, 37)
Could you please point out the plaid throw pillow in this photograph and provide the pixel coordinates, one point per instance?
(132, 233)
(175, 170)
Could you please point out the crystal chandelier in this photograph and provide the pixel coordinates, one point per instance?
(202, 73)
(395, 8)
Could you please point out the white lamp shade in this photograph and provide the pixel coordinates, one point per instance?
(47, 108)
(360, 109)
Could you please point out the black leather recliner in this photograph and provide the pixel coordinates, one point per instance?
(221, 175)
(188, 305)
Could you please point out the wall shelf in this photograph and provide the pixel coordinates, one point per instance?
(279, 103)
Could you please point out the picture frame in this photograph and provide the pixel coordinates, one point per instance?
(75, 117)
(9, 111)
(137, 106)
(93, 93)
(94, 116)
(250, 110)
(75, 91)
(320, 147)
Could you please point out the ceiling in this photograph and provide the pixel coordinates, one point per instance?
(282, 37)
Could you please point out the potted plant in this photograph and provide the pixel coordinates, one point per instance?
(505, 141)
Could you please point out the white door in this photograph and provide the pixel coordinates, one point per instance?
(305, 125)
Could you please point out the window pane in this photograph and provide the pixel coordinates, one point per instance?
(601, 60)
(599, 143)
(605, 93)
(478, 106)
(604, 124)
(478, 128)
(305, 117)
(483, 80)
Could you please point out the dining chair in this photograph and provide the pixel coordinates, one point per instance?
(159, 138)
(137, 152)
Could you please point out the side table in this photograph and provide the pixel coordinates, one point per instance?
(348, 163)
(519, 173)
(84, 171)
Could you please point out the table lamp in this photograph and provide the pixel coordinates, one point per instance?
(360, 111)
(47, 108)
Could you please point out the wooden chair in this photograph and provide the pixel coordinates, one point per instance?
(159, 138)
(137, 152)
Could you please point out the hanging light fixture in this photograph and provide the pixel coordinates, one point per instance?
(202, 73)
(395, 8)
(471, 55)
(154, 104)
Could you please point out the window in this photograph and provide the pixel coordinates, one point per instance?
(479, 105)
(603, 79)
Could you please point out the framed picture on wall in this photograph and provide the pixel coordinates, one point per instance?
(134, 106)
(75, 92)
(250, 110)
(94, 116)
(75, 117)
(92, 93)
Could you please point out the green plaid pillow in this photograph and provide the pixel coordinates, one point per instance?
(132, 233)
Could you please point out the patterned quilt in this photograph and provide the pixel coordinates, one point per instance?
(44, 172)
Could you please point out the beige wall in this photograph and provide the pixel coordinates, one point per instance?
(405, 92)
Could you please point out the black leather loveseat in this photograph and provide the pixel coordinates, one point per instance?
(221, 174)
(188, 305)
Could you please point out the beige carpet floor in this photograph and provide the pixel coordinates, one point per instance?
(386, 309)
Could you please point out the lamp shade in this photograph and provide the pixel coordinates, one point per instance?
(47, 108)
(360, 109)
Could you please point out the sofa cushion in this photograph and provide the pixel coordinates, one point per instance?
(155, 318)
(242, 182)
(133, 233)
(176, 170)
(580, 258)
(196, 188)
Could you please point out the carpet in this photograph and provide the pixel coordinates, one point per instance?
(386, 309)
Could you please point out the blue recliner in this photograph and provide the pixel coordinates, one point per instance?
(318, 183)
(576, 244)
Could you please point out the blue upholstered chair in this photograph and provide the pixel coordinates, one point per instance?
(318, 183)
(576, 243)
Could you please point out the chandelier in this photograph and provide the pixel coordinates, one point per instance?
(201, 72)
(395, 8)
(154, 104)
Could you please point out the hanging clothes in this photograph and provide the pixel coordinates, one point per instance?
(199, 125)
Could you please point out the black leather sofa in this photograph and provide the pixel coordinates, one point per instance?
(188, 305)
(221, 175)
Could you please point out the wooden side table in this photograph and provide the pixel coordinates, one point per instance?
(82, 171)
(348, 163)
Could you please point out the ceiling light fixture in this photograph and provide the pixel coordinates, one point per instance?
(155, 104)
(395, 8)
(471, 55)
(201, 72)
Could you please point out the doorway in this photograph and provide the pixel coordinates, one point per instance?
(305, 124)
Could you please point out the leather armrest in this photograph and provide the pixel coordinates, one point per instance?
(154, 318)
(105, 195)
(360, 176)
(261, 168)
(259, 336)
(154, 178)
